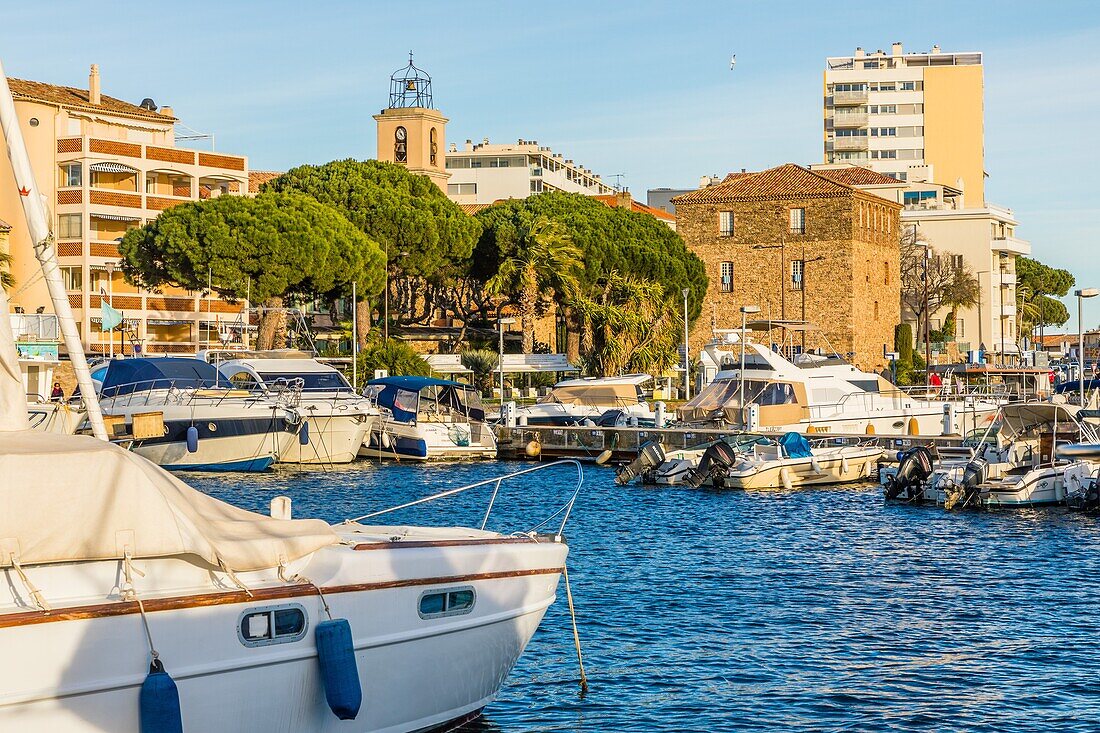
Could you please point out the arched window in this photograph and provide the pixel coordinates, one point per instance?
(433, 146)
(400, 145)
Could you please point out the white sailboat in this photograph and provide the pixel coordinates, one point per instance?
(133, 602)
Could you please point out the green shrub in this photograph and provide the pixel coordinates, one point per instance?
(395, 356)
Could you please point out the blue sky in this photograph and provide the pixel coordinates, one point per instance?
(638, 88)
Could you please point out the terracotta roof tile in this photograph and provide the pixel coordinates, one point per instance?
(636, 206)
(259, 178)
(858, 176)
(70, 97)
(472, 209)
(788, 181)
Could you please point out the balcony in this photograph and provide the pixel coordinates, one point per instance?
(850, 143)
(1006, 310)
(849, 99)
(850, 119)
(1008, 279)
(1012, 245)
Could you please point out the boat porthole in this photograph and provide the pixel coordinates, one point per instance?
(213, 427)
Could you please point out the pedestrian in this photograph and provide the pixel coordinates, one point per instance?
(57, 394)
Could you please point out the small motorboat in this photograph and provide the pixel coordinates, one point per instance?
(423, 418)
(664, 467)
(1018, 465)
(605, 401)
(787, 463)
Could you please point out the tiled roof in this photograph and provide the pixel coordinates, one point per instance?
(788, 181)
(472, 209)
(857, 176)
(1055, 339)
(610, 199)
(4, 226)
(70, 97)
(259, 178)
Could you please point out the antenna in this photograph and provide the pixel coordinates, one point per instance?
(733, 61)
(618, 180)
(183, 133)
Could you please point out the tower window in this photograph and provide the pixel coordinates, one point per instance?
(433, 146)
(725, 275)
(798, 221)
(400, 145)
(725, 223)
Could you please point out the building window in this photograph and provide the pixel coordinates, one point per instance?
(73, 277)
(447, 603)
(798, 221)
(69, 226)
(536, 185)
(960, 328)
(97, 280)
(433, 147)
(272, 625)
(908, 86)
(798, 267)
(725, 223)
(461, 189)
(876, 310)
(725, 276)
(886, 273)
(70, 175)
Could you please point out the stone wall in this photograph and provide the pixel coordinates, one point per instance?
(851, 276)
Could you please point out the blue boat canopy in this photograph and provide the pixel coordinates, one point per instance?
(125, 376)
(405, 397)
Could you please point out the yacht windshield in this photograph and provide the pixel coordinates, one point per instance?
(726, 393)
(311, 381)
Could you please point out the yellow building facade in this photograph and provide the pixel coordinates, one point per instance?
(107, 166)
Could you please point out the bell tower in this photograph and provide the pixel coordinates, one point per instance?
(410, 131)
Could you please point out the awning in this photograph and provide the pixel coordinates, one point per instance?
(164, 322)
(111, 168)
(513, 364)
(114, 217)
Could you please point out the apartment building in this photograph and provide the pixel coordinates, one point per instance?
(486, 172)
(801, 246)
(107, 166)
(892, 111)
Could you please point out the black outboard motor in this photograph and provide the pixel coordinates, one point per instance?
(914, 468)
(966, 493)
(715, 463)
(1086, 498)
(650, 455)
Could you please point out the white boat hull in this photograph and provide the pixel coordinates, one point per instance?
(828, 466)
(428, 441)
(84, 676)
(333, 438)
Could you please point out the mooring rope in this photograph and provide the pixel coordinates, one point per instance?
(576, 634)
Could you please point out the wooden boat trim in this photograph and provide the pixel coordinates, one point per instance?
(173, 603)
(399, 544)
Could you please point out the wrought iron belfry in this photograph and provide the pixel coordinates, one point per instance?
(410, 87)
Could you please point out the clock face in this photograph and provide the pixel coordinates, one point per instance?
(400, 134)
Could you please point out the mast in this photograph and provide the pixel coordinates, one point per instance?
(34, 208)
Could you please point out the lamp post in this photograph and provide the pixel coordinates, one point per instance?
(1081, 295)
(745, 310)
(687, 351)
(501, 323)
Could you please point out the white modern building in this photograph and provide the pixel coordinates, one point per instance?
(485, 172)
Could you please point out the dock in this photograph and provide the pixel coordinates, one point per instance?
(541, 442)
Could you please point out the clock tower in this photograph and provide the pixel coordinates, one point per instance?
(410, 132)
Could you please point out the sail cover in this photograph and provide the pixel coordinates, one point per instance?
(66, 498)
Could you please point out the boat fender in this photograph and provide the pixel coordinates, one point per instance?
(843, 465)
(303, 433)
(384, 439)
(534, 449)
(159, 702)
(339, 673)
(192, 439)
(785, 477)
(815, 465)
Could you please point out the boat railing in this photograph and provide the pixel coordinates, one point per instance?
(563, 511)
(164, 391)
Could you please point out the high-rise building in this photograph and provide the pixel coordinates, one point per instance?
(107, 166)
(892, 111)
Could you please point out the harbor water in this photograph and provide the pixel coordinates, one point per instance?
(813, 610)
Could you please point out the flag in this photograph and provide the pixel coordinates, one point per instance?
(109, 316)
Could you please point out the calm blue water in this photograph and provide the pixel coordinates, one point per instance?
(820, 610)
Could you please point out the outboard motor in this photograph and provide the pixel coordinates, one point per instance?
(975, 474)
(1085, 498)
(650, 455)
(715, 463)
(914, 468)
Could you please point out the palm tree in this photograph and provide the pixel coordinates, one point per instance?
(546, 260)
(7, 280)
(1029, 310)
(481, 362)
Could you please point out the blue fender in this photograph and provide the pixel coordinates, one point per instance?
(160, 702)
(339, 673)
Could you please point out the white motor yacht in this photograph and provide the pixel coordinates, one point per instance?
(206, 425)
(588, 399)
(1017, 464)
(423, 419)
(820, 395)
(338, 418)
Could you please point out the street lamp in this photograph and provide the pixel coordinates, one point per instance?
(1081, 295)
(687, 351)
(501, 323)
(745, 310)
